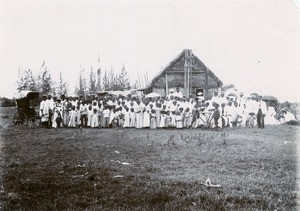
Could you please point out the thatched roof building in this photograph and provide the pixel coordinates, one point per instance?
(188, 73)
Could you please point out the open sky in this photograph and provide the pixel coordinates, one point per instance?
(252, 44)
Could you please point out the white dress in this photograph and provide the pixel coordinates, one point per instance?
(178, 120)
(132, 119)
(94, 120)
(146, 117)
(72, 118)
(126, 119)
(57, 113)
(89, 114)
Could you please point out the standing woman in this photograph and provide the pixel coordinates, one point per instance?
(163, 117)
(146, 116)
(139, 114)
(157, 111)
(131, 118)
(57, 113)
(126, 117)
(72, 115)
(66, 108)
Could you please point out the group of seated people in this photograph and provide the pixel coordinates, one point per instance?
(174, 111)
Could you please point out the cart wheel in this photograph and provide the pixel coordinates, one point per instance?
(20, 119)
(34, 122)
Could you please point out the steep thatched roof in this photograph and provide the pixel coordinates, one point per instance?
(179, 57)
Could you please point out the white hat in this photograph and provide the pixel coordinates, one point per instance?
(171, 90)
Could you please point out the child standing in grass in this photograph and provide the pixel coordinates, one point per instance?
(163, 117)
(94, 118)
(168, 119)
(121, 116)
(173, 119)
(126, 114)
(153, 119)
(106, 114)
(78, 116)
(185, 118)
(216, 114)
(83, 111)
(178, 119)
(251, 119)
(131, 118)
(89, 115)
(113, 118)
(100, 114)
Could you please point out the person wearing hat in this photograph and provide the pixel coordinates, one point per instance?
(222, 99)
(214, 98)
(44, 111)
(251, 108)
(241, 100)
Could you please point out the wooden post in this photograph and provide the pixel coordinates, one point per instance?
(167, 86)
(206, 84)
(184, 78)
(188, 81)
(185, 73)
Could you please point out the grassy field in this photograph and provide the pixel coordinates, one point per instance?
(130, 169)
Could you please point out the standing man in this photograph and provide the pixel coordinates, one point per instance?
(242, 102)
(50, 103)
(170, 94)
(44, 111)
(178, 93)
(261, 112)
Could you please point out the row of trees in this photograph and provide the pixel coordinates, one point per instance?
(44, 83)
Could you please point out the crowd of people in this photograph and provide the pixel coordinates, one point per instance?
(172, 111)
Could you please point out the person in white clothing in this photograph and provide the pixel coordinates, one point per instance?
(126, 118)
(270, 117)
(50, 103)
(72, 117)
(178, 93)
(170, 94)
(146, 116)
(57, 114)
(287, 116)
(44, 111)
(94, 118)
(251, 109)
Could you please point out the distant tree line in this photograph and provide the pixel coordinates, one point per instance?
(44, 83)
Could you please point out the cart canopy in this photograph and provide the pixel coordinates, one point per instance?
(27, 94)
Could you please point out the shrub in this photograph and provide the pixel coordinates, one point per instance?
(6, 102)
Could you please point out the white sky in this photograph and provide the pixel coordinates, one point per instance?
(252, 44)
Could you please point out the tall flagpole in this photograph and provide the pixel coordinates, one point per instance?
(99, 75)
